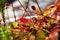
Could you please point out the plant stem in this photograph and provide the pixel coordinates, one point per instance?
(13, 11)
(3, 17)
(25, 8)
(38, 6)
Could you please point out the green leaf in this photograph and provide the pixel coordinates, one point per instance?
(5, 34)
(2, 4)
(40, 35)
(39, 12)
(15, 24)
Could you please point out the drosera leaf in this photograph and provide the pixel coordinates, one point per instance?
(40, 35)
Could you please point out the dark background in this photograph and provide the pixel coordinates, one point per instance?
(10, 1)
